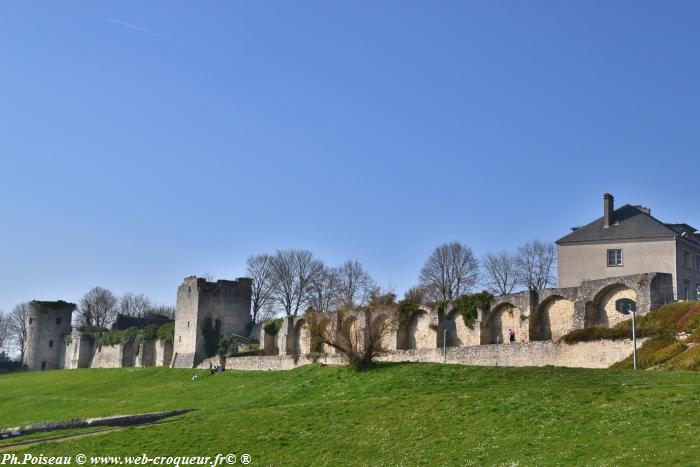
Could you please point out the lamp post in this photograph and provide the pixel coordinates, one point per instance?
(627, 306)
(444, 345)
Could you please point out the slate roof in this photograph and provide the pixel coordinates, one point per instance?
(630, 222)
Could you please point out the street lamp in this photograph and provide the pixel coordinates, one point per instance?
(627, 306)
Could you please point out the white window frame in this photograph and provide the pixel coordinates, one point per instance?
(617, 258)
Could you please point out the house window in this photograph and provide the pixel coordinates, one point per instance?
(43, 365)
(697, 263)
(179, 338)
(30, 321)
(58, 321)
(188, 324)
(614, 257)
(697, 291)
(50, 344)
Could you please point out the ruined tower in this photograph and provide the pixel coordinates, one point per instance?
(47, 325)
(204, 312)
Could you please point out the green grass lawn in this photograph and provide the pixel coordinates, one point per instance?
(397, 414)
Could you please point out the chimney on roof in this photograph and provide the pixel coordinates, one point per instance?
(644, 209)
(608, 210)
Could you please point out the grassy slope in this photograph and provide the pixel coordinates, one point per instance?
(397, 414)
(663, 350)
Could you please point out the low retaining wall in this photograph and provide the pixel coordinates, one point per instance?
(596, 354)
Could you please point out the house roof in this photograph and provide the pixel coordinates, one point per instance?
(630, 222)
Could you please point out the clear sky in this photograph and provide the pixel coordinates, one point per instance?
(142, 142)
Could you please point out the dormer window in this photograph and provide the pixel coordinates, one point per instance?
(615, 257)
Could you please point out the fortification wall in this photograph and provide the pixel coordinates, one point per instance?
(78, 351)
(597, 354)
(164, 353)
(114, 356)
(146, 355)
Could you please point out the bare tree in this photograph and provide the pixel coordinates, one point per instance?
(4, 329)
(18, 326)
(354, 285)
(267, 312)
(134, 304)
(450, 271)
(501, 273)
(416, 294)
(261, 269)
(357, 335)
(535, 263)
(322, 293)
(293, 272)
(98, 307)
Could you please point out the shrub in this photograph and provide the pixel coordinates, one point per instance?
(124, 336)
(273, 326)
(210, 330)
(166, 332)
(406, 311)
(7, 364)
(150, 332)
(467, 306)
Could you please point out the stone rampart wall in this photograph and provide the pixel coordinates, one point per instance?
(597, 354)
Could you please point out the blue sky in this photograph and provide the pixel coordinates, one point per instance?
(142, 142)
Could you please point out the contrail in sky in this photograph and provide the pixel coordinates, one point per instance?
(147, 31)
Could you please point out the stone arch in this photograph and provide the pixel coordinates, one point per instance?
(553, 318)
(315, 344)
(302, 338)
(417, 333)
(601, 310)
(458, 333)
(270, 344)
(389, 339)
(356, 332)
(501, 318)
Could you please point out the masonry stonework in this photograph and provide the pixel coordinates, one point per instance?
(224, 306)
(48, 324)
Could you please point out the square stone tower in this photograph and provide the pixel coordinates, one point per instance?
(206, 311)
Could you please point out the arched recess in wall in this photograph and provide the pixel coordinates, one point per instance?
(553, 319)
(601, 310)
(503, 317)
(382, 329)
(417, 334)
(349, 333)
(458, 334)
(302, 338)
(315, 344)
(270, 344)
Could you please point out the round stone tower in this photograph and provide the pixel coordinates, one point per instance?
(47, 325)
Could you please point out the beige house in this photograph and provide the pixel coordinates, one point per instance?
(626, 241)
